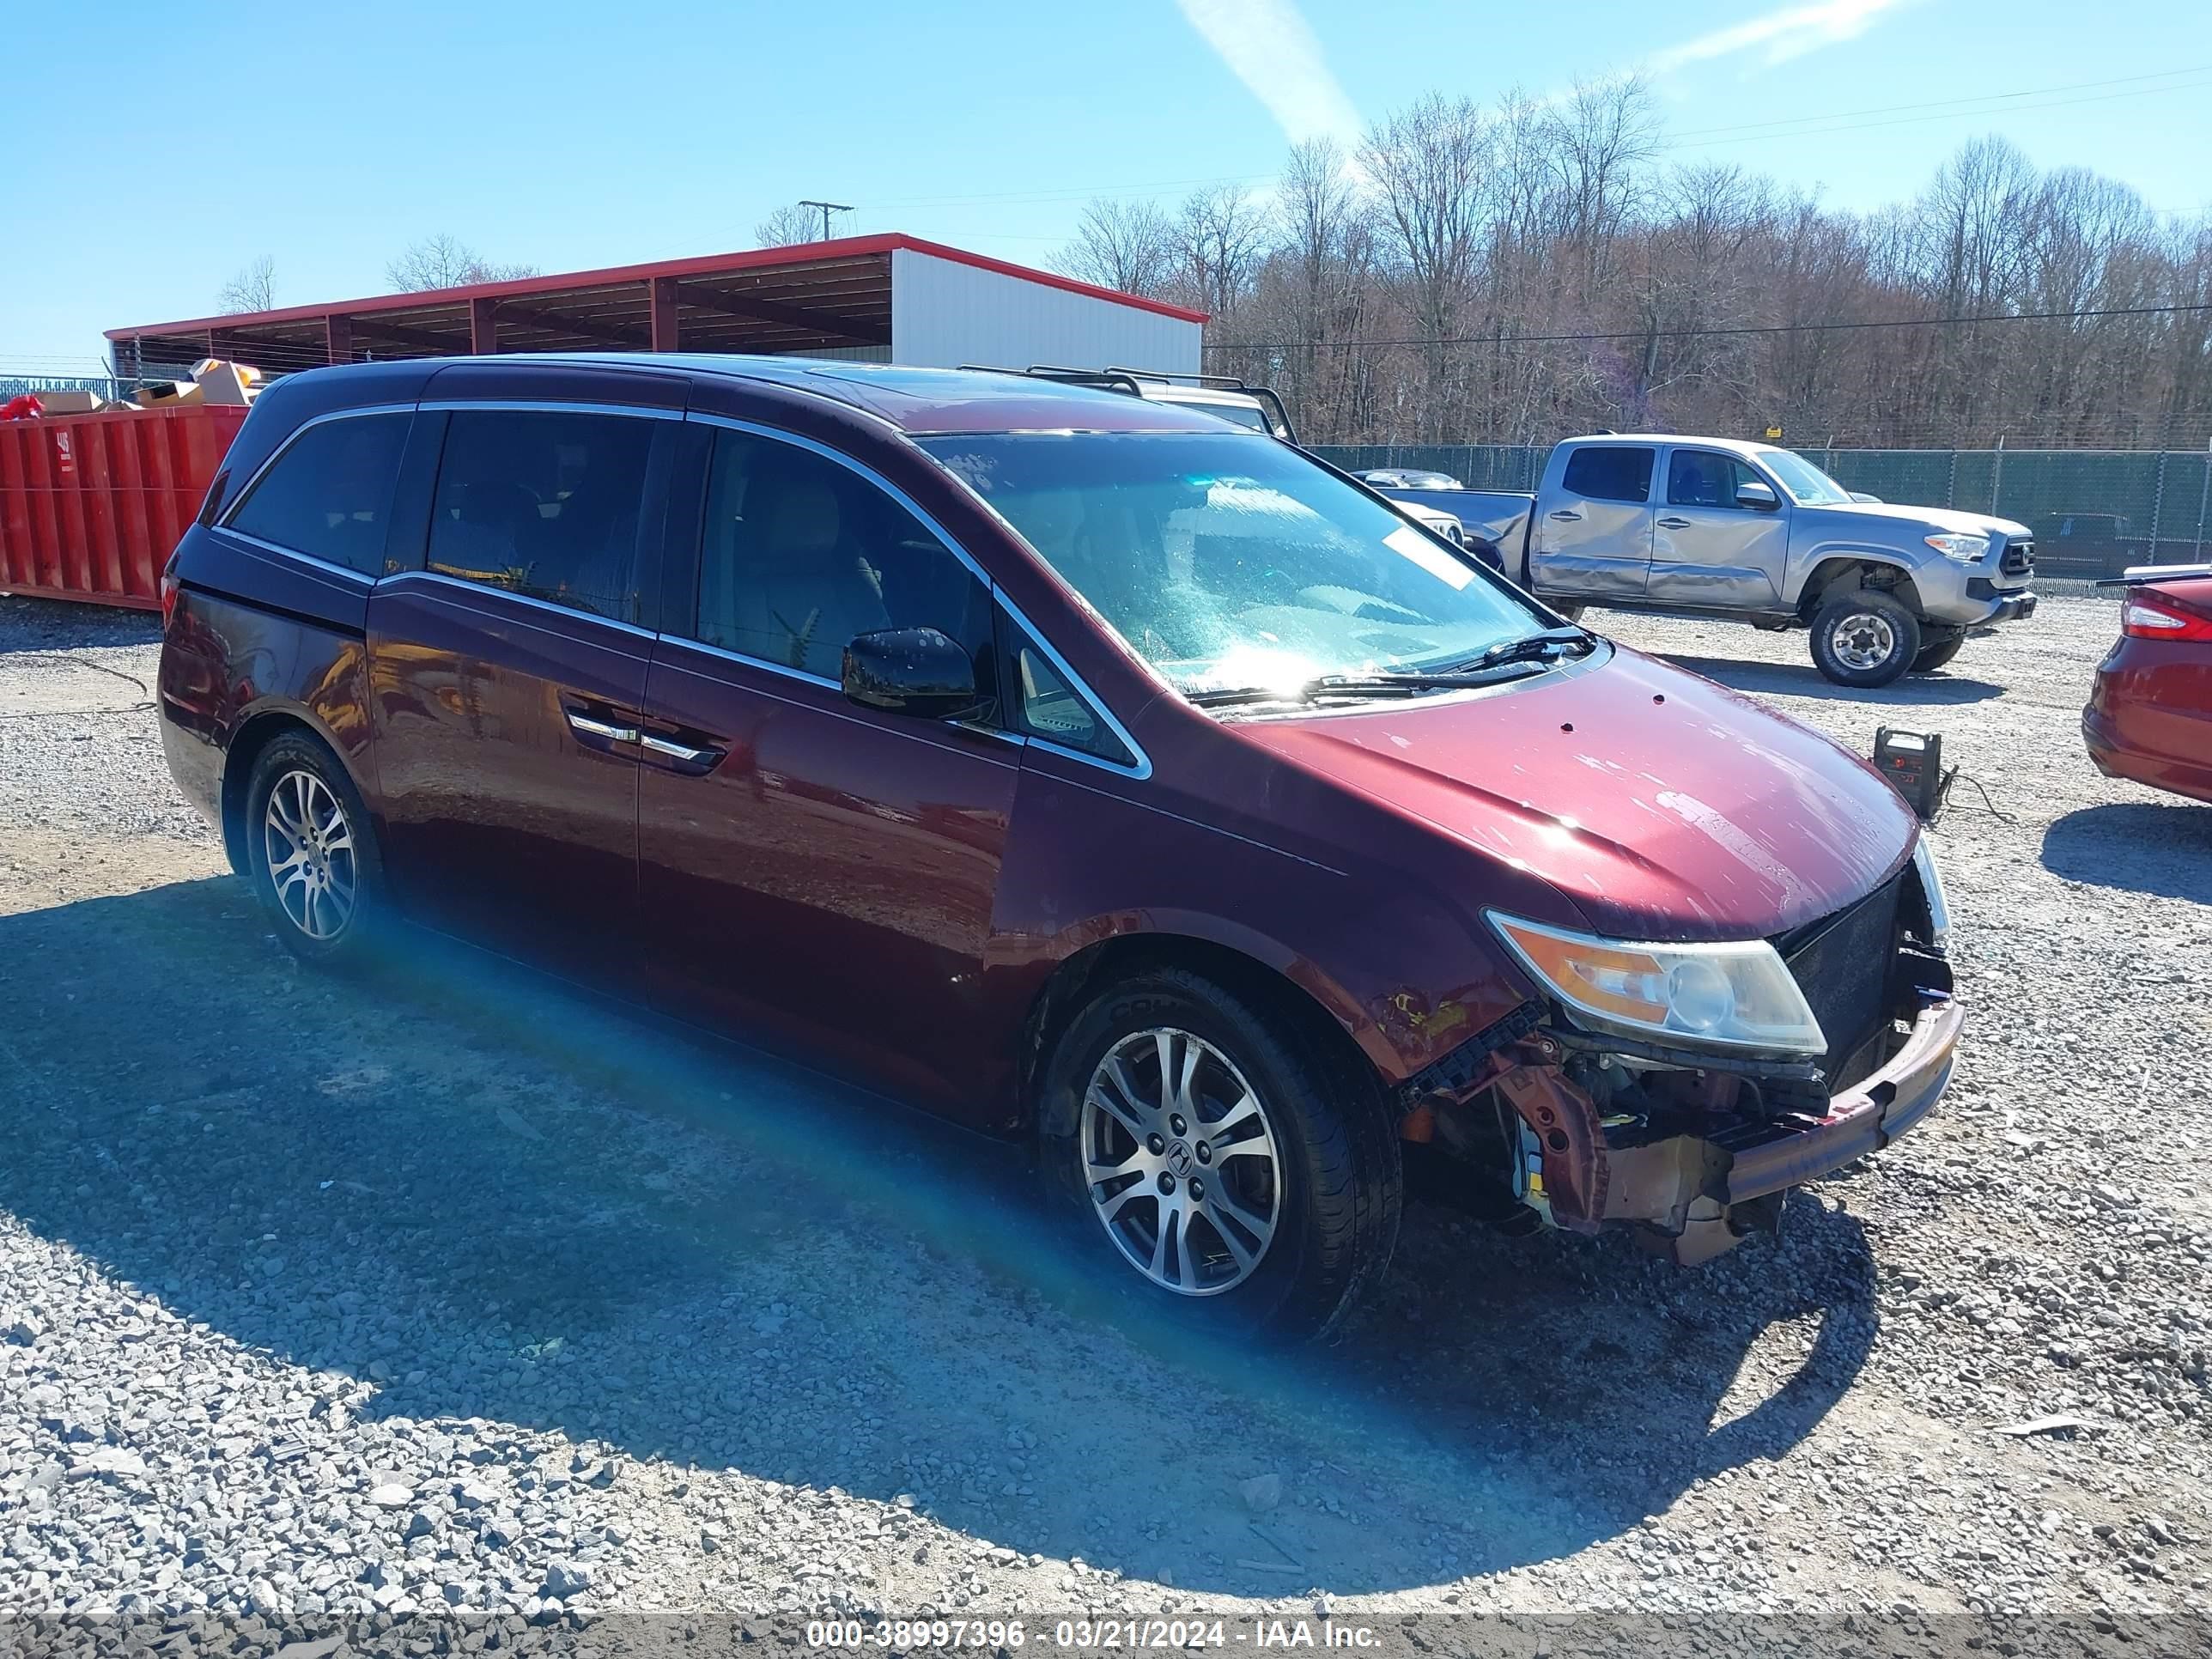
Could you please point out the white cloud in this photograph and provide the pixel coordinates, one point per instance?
(1267, 45)
(1791, 33)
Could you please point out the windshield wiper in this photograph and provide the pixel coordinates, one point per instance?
(1388, 684)
(1526, 649)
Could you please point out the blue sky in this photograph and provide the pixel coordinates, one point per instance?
(154, 149)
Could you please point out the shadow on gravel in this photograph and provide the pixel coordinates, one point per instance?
(2163, 847)
(503, 1200)
(1942, 689)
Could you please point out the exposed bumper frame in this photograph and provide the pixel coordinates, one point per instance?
(1865, 1118)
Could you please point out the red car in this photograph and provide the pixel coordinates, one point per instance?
(1086, 768)
(2150, 716)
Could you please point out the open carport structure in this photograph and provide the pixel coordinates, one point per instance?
(885, 298)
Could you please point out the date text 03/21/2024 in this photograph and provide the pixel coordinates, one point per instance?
(1087, 1635)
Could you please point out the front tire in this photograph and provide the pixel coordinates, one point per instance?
(311, 851)
(1864, 638)
(1227, 1163)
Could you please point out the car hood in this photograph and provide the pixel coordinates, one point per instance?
(1885, 513)
(1661, 805)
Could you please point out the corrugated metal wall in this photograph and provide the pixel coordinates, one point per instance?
(944, 314)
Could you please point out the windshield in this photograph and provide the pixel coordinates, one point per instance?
(1230, 562)
(1808, 485)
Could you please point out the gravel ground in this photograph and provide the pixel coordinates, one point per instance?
(460, 1292)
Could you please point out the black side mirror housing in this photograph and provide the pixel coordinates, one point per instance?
(918, 671)
(1758, 497)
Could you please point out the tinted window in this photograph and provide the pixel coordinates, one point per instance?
(543, 504)
(1610, 474)
(1702, 477)
(329, 493)
(800, 554)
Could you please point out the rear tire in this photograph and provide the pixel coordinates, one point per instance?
(1935, 654)
(1268, 1160)
(311, 852)
(1864, 638)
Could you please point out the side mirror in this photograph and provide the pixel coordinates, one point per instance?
(1861, 495)
(920, 672)
(1760, 497)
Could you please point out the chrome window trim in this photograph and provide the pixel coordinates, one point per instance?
(278, 548)
(544, 406)
(783, 670)
(246, 490)
(1141, 768)
(531, 599)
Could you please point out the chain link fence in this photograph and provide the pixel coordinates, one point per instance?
(2093, 511)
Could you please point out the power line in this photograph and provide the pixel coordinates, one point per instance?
(1950, 104)
(1713, 333)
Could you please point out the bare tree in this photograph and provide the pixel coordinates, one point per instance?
(788, 226)
(445, 261)
(1218, 239)
(254, 288)
(1124, 246)
(1428, 166)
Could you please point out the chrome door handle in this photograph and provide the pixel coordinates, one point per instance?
(603, 730)
(682, 751)
(1673, 524)
(1564, 514)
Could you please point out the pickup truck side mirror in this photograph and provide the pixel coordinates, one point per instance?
(1760, 497)
(920, 672)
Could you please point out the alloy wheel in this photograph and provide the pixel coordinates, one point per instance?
(1863, 641)
(309, 847)
(1182, 1161)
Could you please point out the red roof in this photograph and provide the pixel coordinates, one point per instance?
(842, 285)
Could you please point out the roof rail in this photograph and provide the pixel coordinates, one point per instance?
(1132, 380)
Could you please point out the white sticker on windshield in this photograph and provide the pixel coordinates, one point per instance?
(1427, 553)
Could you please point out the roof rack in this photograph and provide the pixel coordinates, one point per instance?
(1133, 380)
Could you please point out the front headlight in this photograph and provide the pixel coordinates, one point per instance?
(1964, 549)
(1931, 884)
(1736, 994)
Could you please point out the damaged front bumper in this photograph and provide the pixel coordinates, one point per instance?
(1692, 1159)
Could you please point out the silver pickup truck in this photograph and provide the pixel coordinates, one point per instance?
(1714, 527)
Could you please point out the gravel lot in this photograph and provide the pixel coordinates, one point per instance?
(463, 1292)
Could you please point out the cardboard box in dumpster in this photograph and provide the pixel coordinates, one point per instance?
(166, 394)
(226, 383)
(71, 403)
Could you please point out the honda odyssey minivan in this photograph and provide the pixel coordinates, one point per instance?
(1084, 768)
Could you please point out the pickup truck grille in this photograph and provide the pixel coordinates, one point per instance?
(1842, 964)
(2019, 559)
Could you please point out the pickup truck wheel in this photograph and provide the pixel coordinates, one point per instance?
(1225, 1165)
(1573, 613)
(1864, 638)
(1936, 653)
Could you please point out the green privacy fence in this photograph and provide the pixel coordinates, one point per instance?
(2094, 511)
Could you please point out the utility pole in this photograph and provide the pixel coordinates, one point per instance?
(828, 208)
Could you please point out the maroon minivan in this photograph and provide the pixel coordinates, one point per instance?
(1083, 768)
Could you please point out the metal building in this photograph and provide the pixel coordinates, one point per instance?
(890, 298)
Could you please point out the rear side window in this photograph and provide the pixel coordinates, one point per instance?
(800, 555)
(1610, 473)
(543, 504)
(329, 494)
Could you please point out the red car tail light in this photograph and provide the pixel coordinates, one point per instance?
(168, 591)
(2154, 616)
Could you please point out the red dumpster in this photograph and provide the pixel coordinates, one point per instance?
(92, 504)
